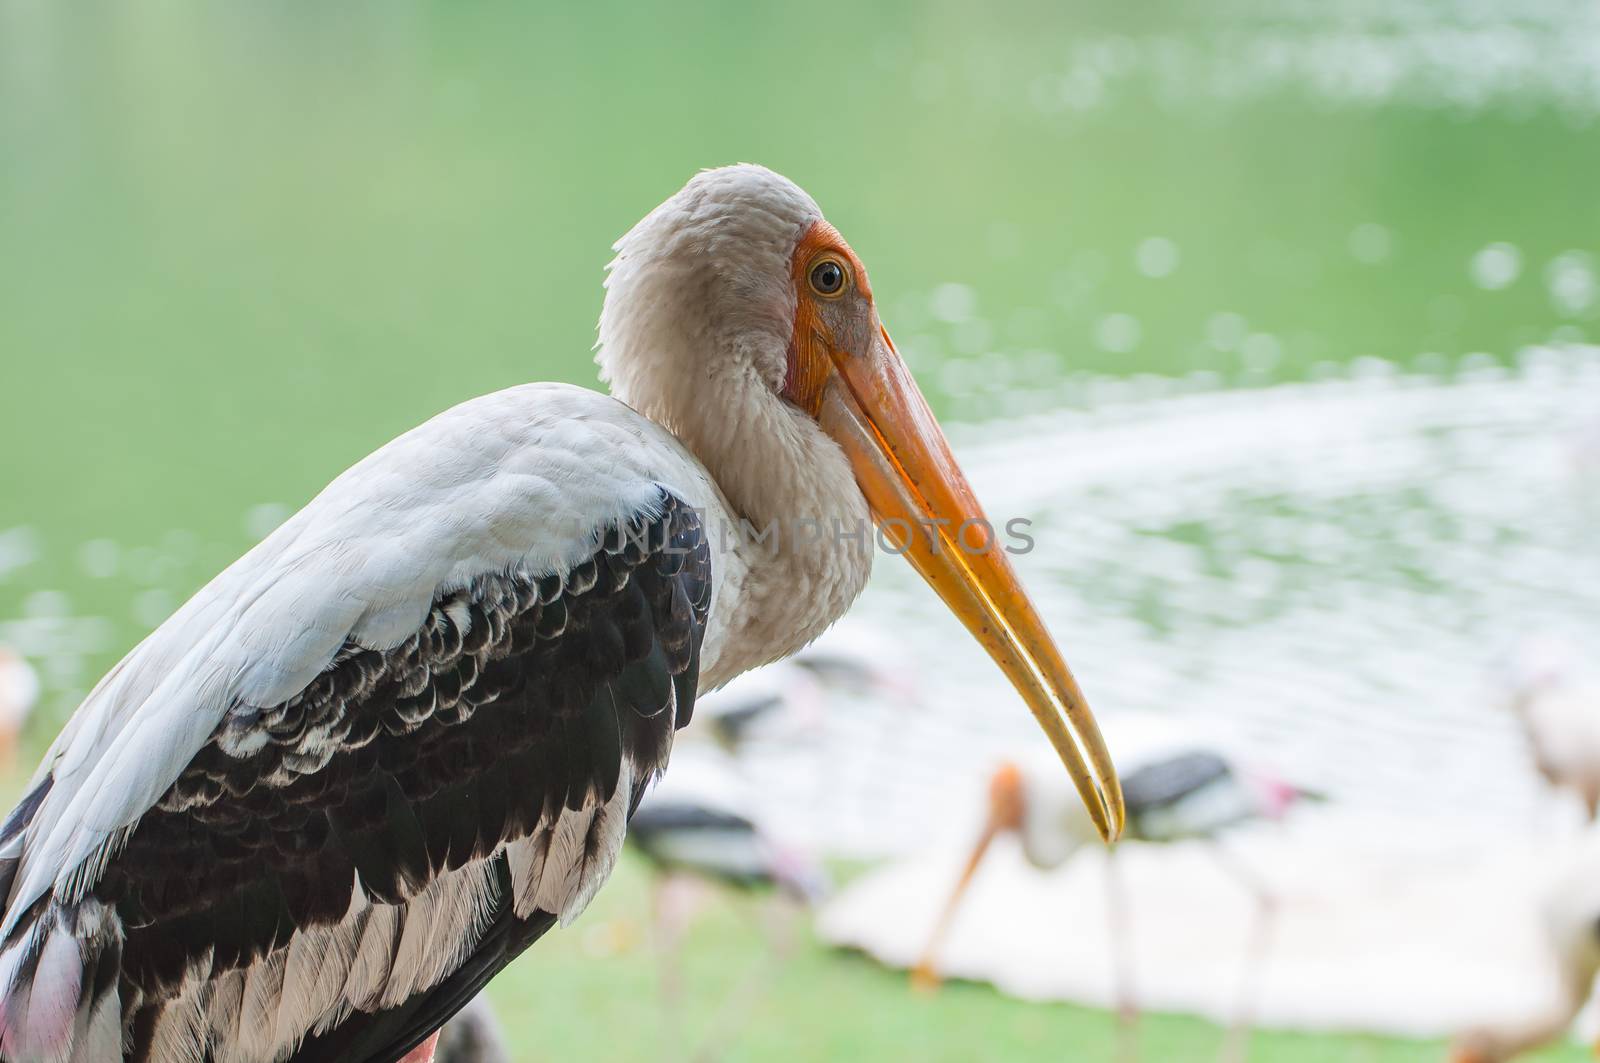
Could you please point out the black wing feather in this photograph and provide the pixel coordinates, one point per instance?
(1164, 782)
(520, 695)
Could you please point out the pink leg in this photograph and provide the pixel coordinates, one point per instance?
(423, 1053)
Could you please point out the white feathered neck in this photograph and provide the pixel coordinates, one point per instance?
(694, 335)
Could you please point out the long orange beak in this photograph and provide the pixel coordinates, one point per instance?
(1005, 813)
(923, 505)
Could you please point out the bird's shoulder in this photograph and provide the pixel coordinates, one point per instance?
(409, 821)
(520, 480)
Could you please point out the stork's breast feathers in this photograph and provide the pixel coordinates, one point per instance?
(413, 816)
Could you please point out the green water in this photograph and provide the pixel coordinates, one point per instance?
(242, 245)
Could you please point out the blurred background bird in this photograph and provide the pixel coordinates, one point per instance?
(793, 699)
(700, 821)
(474, 1035)
(19, 694)
(1554, 691)
(1173, 793)
(700, 835)
(1569, 914)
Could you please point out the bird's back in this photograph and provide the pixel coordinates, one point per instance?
(374, 759)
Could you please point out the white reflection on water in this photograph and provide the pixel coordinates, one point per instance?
(1433, 54)
(1319, 577)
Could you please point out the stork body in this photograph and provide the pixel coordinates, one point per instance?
(698, 831)
(313, 813)
(289, 805)
(1178, 794)
(780, 694)
(700, 820)
(794, 696)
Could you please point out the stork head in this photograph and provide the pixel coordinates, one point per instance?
(740, 319)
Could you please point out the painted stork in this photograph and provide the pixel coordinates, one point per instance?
(19, 693)
(364, 768)
(793, 695)
(854, 657)
(696, 829)
(1181, 794)
(473, 1035)
(698, 820)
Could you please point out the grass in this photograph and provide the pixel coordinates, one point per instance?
(578, 995)
(595, 991)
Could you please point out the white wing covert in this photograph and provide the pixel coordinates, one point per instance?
(404, 732)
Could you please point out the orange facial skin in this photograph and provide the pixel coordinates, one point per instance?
(809, 365)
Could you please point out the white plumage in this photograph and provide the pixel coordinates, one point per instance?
(362, 561)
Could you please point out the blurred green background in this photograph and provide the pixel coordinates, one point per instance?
(241, 245)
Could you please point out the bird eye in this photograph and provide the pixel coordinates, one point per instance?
(828, 277)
